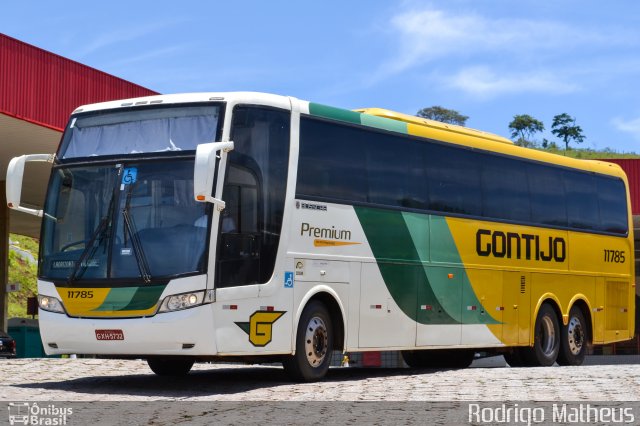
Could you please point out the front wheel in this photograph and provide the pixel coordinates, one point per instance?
(169, 366)
(314, 345)
(573, 347)
(546, 339)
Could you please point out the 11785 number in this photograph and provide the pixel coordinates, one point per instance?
(80, 294)
(614, 256)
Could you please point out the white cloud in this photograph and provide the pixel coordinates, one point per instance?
(431, 34)
(483, 82)
(628, 126)
(122, 35)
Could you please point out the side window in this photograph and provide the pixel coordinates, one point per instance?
(254, 190)
(505, 189)
(582, 200)
(613, 205)
(548, 203)
(331, 162)
(395, 171)
(454, 180)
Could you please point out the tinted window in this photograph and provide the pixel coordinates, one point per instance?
(505, 189)
(582, 200)
(254, 191)
(362, 165)
(395, 173)
(454, 180)
(548, 205)
(332, 161)
(613, 207)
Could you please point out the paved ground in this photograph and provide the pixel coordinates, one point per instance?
(117, 392)
(119, 380)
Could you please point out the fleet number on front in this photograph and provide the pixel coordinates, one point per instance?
(80, 294)
(614, 256)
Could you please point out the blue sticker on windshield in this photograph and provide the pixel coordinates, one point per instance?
(129, 175)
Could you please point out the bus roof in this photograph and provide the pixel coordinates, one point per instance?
(375, 117)
(436, 130)
(435, 125)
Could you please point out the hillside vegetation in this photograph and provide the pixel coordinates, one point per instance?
(590, 154)
(23, 261)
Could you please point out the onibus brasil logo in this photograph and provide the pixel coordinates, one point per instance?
(24, 413)
(260, 326)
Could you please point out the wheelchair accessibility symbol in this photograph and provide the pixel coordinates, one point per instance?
(129, 175)
(288, 280)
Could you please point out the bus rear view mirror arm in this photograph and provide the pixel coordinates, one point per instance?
(15, 173)
(209, 165)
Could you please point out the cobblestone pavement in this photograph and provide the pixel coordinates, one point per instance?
(120, 380)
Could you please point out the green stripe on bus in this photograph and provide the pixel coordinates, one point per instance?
(334, 113)
(145, 298)
(384, 123)
(117, 298)
(447, 251)
(400, 265)
(422, 288)
(131, 298)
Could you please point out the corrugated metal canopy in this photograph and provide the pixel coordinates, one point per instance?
(38, 91)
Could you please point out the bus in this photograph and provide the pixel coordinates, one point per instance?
(252, 227)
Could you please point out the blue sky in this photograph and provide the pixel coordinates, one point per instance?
(488, 59)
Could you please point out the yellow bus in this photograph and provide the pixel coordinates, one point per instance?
(256, 227)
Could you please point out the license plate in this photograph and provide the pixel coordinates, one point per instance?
(109, 335)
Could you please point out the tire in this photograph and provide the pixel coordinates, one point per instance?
(574, 339)
(314, 345)
(546, 339)
(170, 366)
(436, 358)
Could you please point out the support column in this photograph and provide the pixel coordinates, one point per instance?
(4, 256)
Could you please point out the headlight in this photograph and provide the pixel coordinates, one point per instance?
(51, 304)
(181, 301)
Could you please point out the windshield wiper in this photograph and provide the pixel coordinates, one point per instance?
(138, 250)
(102, 227)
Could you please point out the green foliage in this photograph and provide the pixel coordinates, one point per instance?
(564, 126)
(22, 270)
(443, 115)
(589, 154)
(523, 127)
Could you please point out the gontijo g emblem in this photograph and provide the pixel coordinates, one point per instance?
(260, 326)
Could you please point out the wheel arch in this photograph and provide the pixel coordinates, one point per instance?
(334, 305)
(553, 301)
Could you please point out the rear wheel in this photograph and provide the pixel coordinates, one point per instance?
(573, 346)
(438, 358)
(314, 345)
(169, 366)
(546, 340)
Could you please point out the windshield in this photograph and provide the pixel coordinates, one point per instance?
(135, 131)
(134, 220)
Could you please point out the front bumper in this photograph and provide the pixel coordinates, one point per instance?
(182, 333)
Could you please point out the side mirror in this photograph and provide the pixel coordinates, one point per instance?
(208, 166)
(15, 174)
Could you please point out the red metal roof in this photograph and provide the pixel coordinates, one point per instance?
(44, 88)
(632, 168)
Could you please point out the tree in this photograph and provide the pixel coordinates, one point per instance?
(443, 115)
(564, 126)
(523, 127)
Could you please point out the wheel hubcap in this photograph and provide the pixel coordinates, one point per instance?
(548, 336)
(575, 334)
(316, 341)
